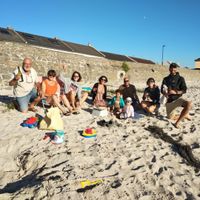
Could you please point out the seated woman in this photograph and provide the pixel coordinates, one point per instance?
(99, 92)
(50, 91)
(73, 92)
(116, 104)
(151, 97)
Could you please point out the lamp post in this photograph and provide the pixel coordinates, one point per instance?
(163, 46)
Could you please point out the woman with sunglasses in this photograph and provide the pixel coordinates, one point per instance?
(73, 92)
(99, 92)
(50, 91)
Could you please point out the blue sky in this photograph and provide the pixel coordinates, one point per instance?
(131, 27)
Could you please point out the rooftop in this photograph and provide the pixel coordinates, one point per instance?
(8, 34)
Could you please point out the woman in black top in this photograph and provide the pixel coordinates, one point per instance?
(151, 97)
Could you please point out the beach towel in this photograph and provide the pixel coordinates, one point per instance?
(52, 120)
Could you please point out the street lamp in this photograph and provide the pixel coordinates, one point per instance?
(163, 46)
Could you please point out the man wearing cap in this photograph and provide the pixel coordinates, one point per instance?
(129, 90)
(24, 81)
(176, 87)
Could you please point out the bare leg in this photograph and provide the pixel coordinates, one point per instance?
(184, 113)
(144, 105)
(66, 102)
(57, 103)
(35, 102)
(83, 98)
(72, 99)
(151, 109)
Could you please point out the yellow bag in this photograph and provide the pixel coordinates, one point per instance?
(52, 120)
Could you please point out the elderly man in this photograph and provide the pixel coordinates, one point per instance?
(129, 90)
(175, 87)
(24, 81)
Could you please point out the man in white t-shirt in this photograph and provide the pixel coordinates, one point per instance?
(24, 81)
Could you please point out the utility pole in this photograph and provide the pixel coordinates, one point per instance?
(163, 46)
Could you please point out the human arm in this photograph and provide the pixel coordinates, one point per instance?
(15, 77)
(182, 88)
(111, 102)
(156, 99)
(105, 93)
(43, 90)
(94, 91)
(145, 94)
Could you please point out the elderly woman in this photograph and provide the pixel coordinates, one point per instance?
(99, 92)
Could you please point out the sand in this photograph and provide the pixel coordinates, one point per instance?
(130, 161)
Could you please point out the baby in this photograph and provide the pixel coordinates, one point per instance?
(128, 110)
(116, 104)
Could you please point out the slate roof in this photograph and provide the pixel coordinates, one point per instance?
(53, 43)
(7, 34)
(118, 57)
(141, 60)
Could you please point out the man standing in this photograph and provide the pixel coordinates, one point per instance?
(24, 81)
(175, 87)
(129, 90)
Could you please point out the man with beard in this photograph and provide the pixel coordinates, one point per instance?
(24, 80)
(175, 87)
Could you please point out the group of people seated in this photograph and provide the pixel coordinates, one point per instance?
(66, 93)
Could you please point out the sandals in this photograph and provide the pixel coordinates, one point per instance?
(67, 114)
(76, 112)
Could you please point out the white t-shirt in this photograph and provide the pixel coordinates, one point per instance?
(26, 83)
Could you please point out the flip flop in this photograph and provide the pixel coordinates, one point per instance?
(76, 112)
(67, 114)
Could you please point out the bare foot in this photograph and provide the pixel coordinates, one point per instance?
(176, 125)
(188, 117)
(174, 117)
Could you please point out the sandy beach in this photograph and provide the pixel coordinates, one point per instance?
(128, 159)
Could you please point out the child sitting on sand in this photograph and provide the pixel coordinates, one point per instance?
(116, 104)
(128, 110)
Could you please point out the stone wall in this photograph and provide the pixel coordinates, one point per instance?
(91, 67)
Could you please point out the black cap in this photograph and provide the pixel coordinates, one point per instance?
(173, 65)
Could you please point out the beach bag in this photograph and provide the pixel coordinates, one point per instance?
(163, 100)
(52, 120)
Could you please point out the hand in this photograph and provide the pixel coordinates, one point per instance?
(18, 76)
(172, 92)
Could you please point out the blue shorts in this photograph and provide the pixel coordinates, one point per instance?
(25, 100)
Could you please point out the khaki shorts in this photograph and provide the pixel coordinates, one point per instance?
(170, 107)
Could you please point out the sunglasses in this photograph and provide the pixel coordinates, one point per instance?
(76, 76)
(103, 79)
(126, 80)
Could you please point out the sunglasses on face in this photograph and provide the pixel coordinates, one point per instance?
(76, 76)
(126, 80)
(103, 79)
